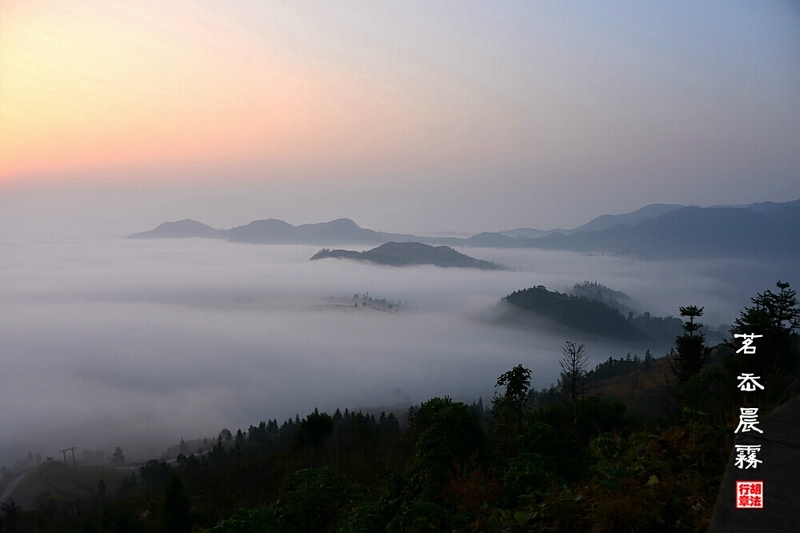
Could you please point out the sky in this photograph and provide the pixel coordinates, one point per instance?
(416, 117)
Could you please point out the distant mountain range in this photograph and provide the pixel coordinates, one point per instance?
(655, 231)
(602, 222)
(273, 231)
(757, 231)
(411, 253)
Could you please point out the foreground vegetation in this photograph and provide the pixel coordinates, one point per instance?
(558, 459)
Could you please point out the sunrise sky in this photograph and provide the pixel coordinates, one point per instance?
(404, 116)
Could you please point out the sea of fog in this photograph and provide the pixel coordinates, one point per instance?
(107, 341)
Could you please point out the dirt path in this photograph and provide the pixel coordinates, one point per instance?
(10, 488)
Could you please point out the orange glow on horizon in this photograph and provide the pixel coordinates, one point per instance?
(88, 86)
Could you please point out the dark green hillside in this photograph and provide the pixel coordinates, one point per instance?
(641, 384)
(597, 291)
(51, 484)
(577, 312)
(593, 308)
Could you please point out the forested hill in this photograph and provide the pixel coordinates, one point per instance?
(411, 253)
(593, 315)
(577, 312)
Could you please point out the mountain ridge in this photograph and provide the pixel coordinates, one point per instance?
(182, 229)
(656, 231)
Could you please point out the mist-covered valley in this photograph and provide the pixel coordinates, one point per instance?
(108, 341)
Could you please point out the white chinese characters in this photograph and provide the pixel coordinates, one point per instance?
(746, 456)
(749, 493)
(747, 342)
(748, 419)
(749, 382)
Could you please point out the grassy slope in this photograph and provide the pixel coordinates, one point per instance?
(74, 483)
(643, 390)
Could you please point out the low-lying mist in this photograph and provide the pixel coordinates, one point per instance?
(136, 343)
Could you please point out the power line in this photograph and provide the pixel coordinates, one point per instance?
(64, 452)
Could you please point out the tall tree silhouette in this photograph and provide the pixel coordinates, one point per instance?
(688, 356)
(572, 381)
(508, 409)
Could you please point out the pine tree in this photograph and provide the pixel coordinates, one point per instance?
(688, 356)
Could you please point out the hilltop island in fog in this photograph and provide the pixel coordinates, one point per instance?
(656, 231)
(411, 253)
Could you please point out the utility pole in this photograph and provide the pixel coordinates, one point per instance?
(64, 451)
